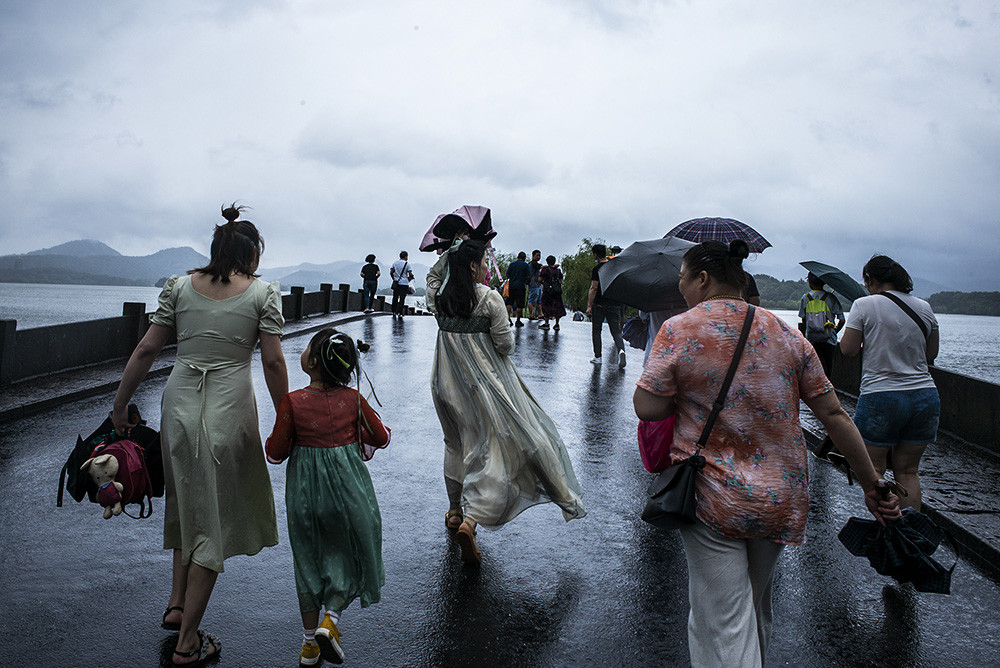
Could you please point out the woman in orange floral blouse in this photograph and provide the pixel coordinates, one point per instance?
(753, 494)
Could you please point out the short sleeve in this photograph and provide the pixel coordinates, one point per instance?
(660, 374)
(500, 332)
(856, 318)
(166, 304)
(812, 381)
(835, 307)
(271, 320)
(802, 306)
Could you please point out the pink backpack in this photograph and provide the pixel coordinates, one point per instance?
(132, 474)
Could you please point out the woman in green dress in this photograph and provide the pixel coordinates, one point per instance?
(219, 501)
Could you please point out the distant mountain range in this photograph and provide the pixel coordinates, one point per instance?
(90, 262)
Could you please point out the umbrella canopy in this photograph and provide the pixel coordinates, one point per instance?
(901, 549)
(845, 287)
(644, 275)
(719, 229)
(447, 224)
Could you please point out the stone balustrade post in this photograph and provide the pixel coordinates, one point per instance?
(327, 290)
(298, 294)
(8, 334)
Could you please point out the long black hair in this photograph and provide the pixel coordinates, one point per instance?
(723, 263)
(884, 269)
(336, 354)
(236, 247)
(458, 297)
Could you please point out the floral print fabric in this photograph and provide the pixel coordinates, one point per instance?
(755, 484)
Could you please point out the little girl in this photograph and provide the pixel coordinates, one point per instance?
(327, 431)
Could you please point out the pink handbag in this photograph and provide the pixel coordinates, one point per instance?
(655, 439)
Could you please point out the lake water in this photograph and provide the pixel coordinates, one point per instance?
(970, 344)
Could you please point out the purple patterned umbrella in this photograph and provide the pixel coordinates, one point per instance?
(719, 229)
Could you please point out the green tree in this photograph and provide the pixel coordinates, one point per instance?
(576, 271)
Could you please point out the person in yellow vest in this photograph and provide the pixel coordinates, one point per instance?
(818, 310)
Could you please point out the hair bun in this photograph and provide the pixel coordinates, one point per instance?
(231, 212)
(362, 346)
(739, 249)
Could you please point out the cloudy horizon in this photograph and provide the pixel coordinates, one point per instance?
(837, 131)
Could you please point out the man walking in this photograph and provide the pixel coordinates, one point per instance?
(601, 309)
(401, 276)
(818, 309)
(535, 286)
(518, 274)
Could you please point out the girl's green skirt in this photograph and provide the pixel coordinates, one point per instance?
(335, 528)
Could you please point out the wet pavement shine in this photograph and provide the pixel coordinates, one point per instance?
(606, 590)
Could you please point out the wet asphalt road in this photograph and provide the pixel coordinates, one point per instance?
(606, 590)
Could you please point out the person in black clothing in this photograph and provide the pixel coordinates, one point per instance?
(600, 308)
(370, 273)
(518, 274)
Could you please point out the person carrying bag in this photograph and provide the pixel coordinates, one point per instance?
(672, 501)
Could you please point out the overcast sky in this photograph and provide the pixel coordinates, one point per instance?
(836, 129)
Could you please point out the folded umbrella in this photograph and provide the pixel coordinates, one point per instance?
(901, 549)
(645, 274)
(719, 229)
(845, 287)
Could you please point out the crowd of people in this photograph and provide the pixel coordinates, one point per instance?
(753, 491)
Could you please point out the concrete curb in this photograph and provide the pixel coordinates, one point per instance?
(166, 365)
(970, 546)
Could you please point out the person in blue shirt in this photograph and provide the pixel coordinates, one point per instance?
(518, 274)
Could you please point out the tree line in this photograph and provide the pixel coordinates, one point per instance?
(774, 294)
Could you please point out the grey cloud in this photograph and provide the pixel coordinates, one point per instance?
(422, 156)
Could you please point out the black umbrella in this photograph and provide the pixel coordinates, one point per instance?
(644, 275)
(901, 549)
(845, 287)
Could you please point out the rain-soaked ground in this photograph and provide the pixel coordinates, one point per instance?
(606, 590)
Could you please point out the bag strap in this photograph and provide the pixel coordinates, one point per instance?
(908, 311)
(717, 407)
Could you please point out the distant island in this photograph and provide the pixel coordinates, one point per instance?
(785, 295)
(91, 262)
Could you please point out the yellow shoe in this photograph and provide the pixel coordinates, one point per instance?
(309, 655)
(328, 638)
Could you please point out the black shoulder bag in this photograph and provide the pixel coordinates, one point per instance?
(908, 311)
(672, 501)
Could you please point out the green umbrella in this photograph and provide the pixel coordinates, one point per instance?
(845, 287)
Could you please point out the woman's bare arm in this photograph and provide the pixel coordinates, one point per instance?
(135, 370)
(275, 371)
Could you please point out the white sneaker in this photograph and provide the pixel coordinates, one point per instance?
(596, 360)
(621, 359)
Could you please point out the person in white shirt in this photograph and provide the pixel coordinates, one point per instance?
(401, 275)
(898, 407)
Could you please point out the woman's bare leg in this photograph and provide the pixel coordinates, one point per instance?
(905, 462)
(200, 582)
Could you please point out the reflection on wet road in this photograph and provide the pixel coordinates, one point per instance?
(603, 591)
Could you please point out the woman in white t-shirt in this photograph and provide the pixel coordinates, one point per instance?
(898, 406)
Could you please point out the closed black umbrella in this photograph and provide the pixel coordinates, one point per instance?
(644, 275)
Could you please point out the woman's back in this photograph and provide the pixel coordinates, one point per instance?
(213, 331)
(895, 350)
(754, 484)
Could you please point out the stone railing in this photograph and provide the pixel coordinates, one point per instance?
(28, 353)
(970, 408)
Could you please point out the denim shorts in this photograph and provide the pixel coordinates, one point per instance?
(535, 295)
(908, 417)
